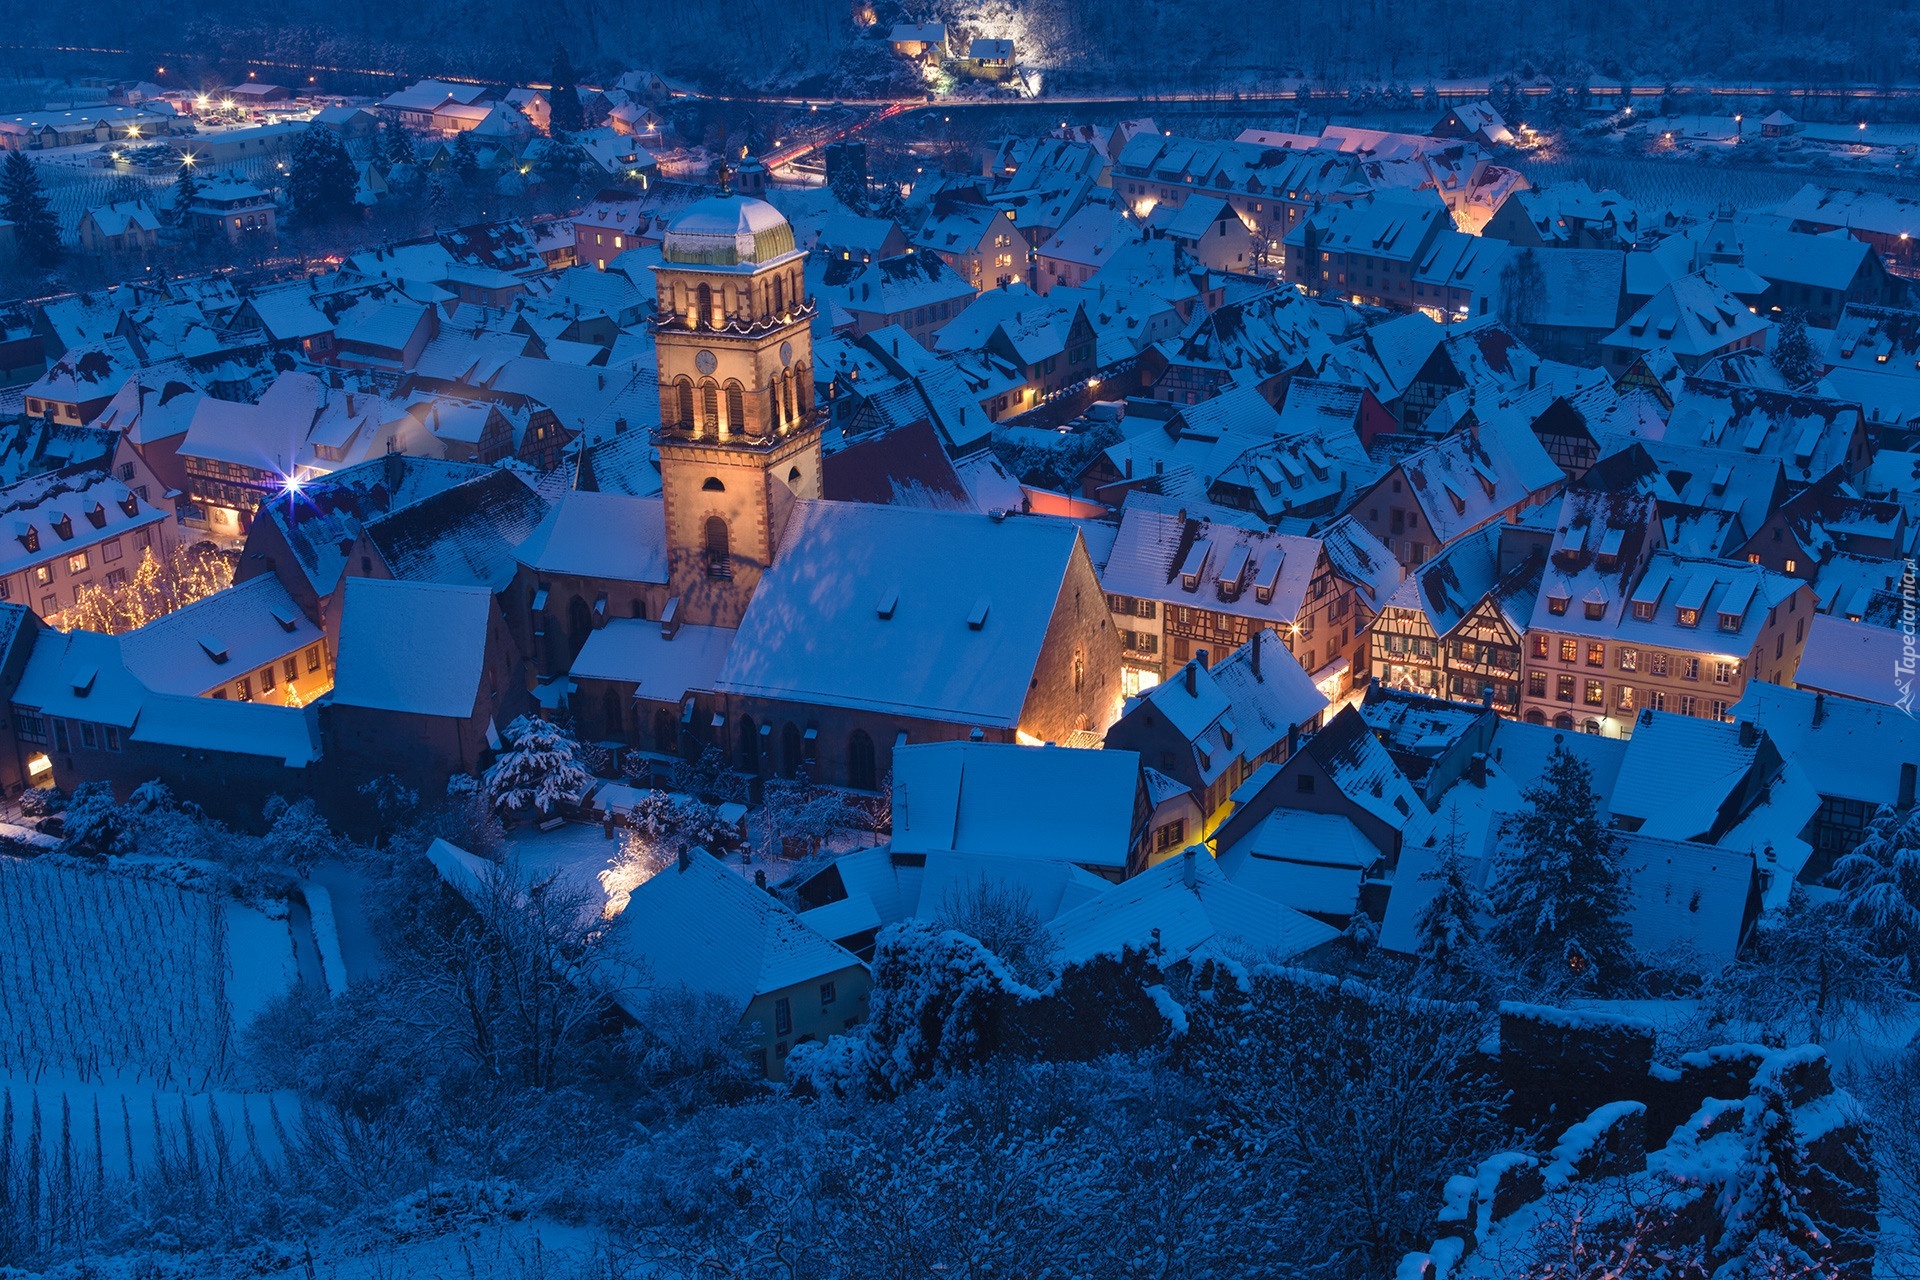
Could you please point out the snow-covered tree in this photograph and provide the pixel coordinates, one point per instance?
(1809, 972)
(1879, 886)
(1557, 892)
(537, 770)
(1001, 918)
(395, 144)
(1793, 353)
(185, 187)
(93, 821)
(1770, 1235)
(466, 161)
(23, 202)
(1448, 928)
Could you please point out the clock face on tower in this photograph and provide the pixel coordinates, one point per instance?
(705, 362)
(786, 353)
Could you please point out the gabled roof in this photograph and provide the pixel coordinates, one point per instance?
(1856, 660)
(412, 647)
(1678, 773)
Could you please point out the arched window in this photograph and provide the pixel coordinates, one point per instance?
(786, 392)
(1536, 716)
(793, 752)
(1564, 720)
(749, 745)
(1592, 727)
(736, 408)
(779, 296)
(640, 610)
(1079, 671)
(665, 738)
(683, 403)
(719, 561)
(860, 767)
(703, 308)
(712, 485)
(709, 406)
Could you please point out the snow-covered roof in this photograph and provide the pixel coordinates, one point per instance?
(1685, 898)
(1678, 773)
(1312, 862)
(412, 647)
(728, 231)
(290, 735)
(53, 515)
(873, 607)
(1211, 917)
(703, 927)
(601, 535)
(634, 651)
(1848, 749)
(206, 644)
(1052, 803)
(1854, 660)
(1358, 764)
(464, 535)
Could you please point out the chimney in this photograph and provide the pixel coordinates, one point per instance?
(1477, 769)
(1189, 870)
(686, 857)
(1486, 698)
(1906, 786)
(1256, 656)
(1749, 733)
(1200, 656)
(1533, 377)
(1293, 740)
(1819, 709)
(1193, 681)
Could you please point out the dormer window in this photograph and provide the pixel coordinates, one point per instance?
(1596, 610)
(1689, 617)
(1557, 603)
(1732, 621)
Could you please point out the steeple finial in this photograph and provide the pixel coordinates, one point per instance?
(726, 179)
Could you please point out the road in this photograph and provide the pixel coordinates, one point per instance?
(786, 155)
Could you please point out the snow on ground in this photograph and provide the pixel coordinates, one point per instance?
(353, 931)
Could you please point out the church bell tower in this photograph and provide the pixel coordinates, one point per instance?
(738, 438)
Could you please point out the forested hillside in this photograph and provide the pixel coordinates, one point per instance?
(816, 45)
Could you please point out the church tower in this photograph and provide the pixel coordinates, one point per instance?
(738, 438)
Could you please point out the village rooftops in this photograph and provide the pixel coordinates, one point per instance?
(52, 515)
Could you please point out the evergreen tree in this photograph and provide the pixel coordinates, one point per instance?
(185, 188)
(321, 178)
(561, 164)
(466, 161)
(1879, 886)
(1770, 1235)
(1448, 927)
(23, 202)
(537, 770)
(563, 98)
(396, 144)
(1793, 353)
(1558, 898)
